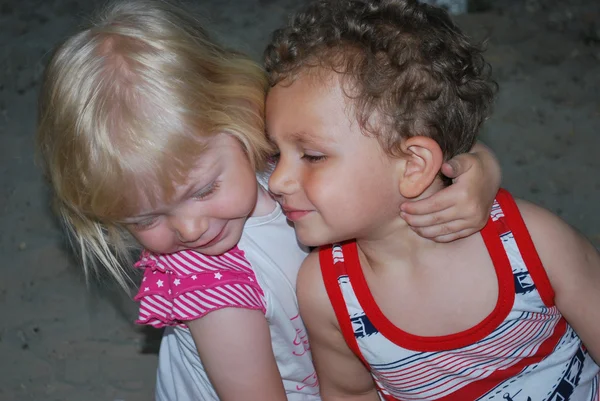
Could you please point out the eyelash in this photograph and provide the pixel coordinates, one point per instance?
(145, 224)
(149, 222)
(205, 193)
(313, 159)
(310, 158)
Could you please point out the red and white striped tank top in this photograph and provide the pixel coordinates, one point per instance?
(524, 350)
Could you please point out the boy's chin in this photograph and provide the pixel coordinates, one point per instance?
(315, 239)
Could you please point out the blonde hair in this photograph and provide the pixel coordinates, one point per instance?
(125, 108)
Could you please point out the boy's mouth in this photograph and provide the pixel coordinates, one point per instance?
(295, 214)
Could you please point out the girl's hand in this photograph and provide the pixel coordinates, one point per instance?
(464, 207)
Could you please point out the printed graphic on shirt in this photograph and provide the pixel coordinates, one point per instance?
(513, 397)
(442, 373)
(301, 345)
(570, 380)
(310, 382)
(362, 326)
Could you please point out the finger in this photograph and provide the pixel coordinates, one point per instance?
(432, 219)
(459, 165)
(440, 230)
(441, 200)
(449, 169)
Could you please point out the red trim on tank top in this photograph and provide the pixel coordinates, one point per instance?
(526, 247)
(330, 273)
(504, 304)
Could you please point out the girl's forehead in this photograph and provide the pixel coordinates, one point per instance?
(156, 193)
(153, 195)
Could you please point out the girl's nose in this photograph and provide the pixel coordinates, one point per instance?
(189, 229)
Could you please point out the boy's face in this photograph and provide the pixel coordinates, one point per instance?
(334, 182)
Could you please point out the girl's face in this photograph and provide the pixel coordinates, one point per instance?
(208, 212)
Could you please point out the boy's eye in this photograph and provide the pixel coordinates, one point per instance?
(206, 192)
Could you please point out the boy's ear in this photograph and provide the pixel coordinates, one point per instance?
(423, 160)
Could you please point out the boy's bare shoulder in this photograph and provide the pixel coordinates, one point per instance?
(310, 279)
(312, 261)
(562, 249)
(545, 227)
(311, 291)
(573, 268)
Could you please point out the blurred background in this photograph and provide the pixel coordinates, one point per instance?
(63, 340)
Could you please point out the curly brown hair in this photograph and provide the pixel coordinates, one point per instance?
(406, 62)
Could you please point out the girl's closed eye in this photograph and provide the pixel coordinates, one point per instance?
(144, 224)
(206, 191)
(313, 158)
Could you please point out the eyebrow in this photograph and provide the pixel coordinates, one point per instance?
(141, 216)
(304, 137)
(191, 189)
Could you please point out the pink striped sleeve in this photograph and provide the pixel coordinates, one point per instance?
(187, 285)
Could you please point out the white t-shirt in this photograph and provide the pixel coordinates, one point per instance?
(269, 256)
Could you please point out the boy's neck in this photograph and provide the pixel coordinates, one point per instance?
(397, 241)
(397, 245)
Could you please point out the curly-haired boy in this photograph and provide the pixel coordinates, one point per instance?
(369, 98)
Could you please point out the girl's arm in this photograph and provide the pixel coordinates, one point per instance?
(234, 345)
(462, 208)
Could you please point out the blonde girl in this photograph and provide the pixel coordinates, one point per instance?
(152, 137)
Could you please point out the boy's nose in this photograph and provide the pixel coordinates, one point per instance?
(282, 180)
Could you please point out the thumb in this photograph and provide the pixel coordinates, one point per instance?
(450, 167)
(456, 166)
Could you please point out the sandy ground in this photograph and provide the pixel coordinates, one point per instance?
(61, 340)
